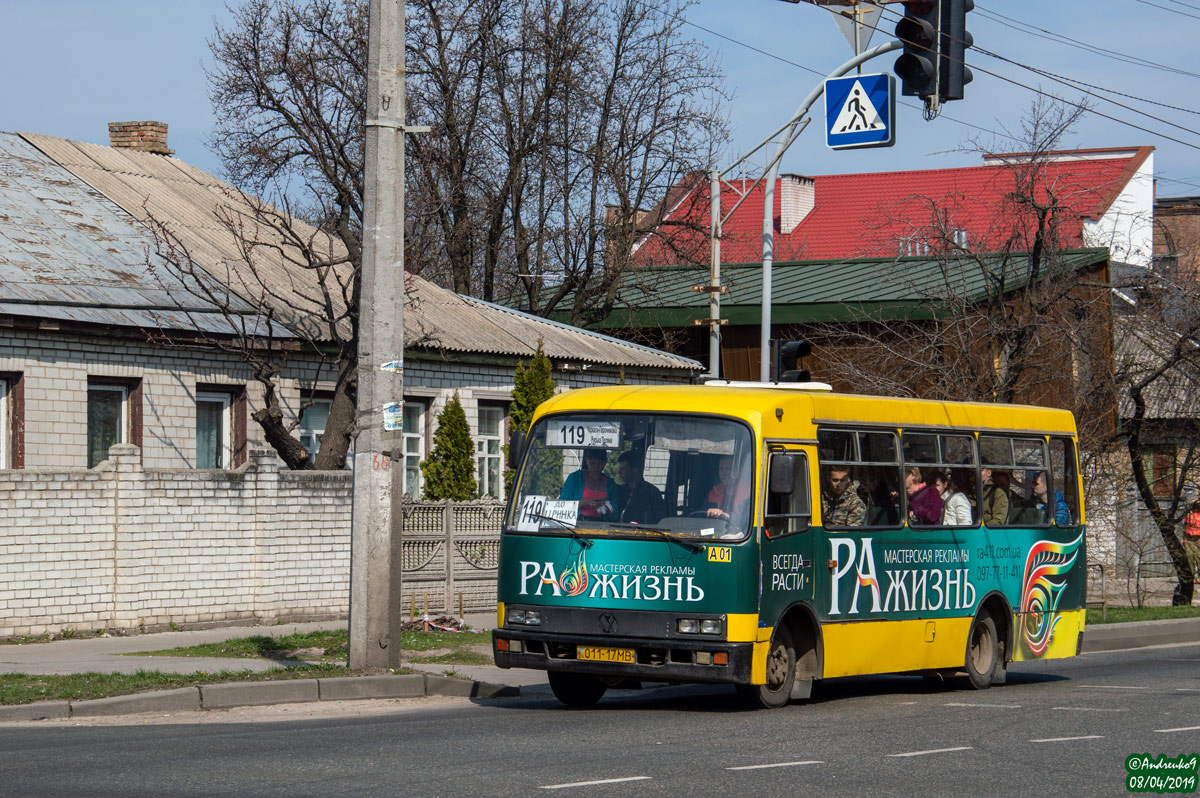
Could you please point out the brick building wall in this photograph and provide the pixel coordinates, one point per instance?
(127, 547)
(56, 367)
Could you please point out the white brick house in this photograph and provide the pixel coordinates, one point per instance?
(137, 490)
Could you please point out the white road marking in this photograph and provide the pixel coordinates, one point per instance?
(1068, 739)
(1188, 689)
(986, 706)
(1184, 728)
(934, 751)
(1113, 687)
(1091, 709)
(778, 765)
(592, 783)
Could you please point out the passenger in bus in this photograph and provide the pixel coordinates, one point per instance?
(956, 508)
(924, 501)
(591, 487)
(1062, 513)
(731, 495)
(638, 501)
(840, 502)
(996, 499)
(882, 500)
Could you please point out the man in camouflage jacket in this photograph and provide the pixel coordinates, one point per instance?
(840, 503)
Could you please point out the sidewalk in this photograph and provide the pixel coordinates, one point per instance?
(109, 654)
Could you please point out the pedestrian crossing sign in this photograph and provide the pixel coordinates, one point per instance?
(860, 111)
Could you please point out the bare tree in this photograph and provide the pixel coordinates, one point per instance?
(563, 121)
(543, 112)
(1156, 370)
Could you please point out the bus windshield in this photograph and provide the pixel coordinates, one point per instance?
(636, 474)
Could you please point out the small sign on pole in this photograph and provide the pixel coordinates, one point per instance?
(860, 111)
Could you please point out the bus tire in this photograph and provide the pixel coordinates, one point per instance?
(983, 652)
(781, 673)
(576, 690)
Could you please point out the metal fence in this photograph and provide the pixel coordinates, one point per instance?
(451, 555)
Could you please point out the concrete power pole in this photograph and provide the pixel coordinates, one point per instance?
(375, 538)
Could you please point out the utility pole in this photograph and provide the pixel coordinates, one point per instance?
(377, 515)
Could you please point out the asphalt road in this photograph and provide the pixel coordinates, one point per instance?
(1059, 727)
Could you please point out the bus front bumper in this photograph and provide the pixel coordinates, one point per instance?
(652, 660)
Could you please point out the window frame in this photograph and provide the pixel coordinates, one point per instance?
(482, 458)
(314, 398)
(938, 434)
(225, 445)
(130, 427)
(421, 436)
(857, 465)
(1012, 467)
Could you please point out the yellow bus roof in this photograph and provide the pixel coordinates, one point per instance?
(802, 409)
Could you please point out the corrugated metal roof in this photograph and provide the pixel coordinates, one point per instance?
(438, 318)
(202, 213)
(68, 253)
(821, 291)
(208, 218)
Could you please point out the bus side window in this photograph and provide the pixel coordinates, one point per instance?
(1064, 481)
(788, 500)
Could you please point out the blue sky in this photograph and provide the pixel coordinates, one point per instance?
(71, 66)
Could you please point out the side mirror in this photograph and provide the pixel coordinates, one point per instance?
(516, 448)
(783, 473)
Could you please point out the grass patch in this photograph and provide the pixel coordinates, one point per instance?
(24, 688)
(332, 646)
(460, 657)
(321, 645)
(1127, 614)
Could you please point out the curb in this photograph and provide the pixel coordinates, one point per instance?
(248, 694)
(1138, 634)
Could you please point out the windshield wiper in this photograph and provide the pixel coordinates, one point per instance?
(687, 544)
(585, 542)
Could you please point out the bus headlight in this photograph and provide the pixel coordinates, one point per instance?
(516, 616)
(710, 626)
(687, 626)
(533, 618)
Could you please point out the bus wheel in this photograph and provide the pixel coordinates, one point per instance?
(576, 690)
(781, 672)
(983, 652)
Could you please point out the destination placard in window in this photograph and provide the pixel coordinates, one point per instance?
(562, 434)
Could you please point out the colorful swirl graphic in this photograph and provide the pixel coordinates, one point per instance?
(1046, 570)
(574, 580)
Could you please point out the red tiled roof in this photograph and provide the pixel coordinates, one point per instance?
(865, 215)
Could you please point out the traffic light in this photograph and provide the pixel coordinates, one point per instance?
(919, 31)
(787, 361)
(955, 41)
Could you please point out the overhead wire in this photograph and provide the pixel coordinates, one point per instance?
(1049, 35)
(1066, 81)
(1172, 10)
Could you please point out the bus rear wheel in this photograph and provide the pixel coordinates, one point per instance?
(576, 690)
(781, 673)
(983, 652)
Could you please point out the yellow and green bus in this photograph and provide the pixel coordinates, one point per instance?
(769, 536)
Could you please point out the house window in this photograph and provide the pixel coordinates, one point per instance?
(108, 419)
(5, 425)
(12, 420)
(312, 425)
(214, 430)
(959, 236)
(414, 447)
(488, 455)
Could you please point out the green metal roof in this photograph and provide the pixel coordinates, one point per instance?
(823, 291)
